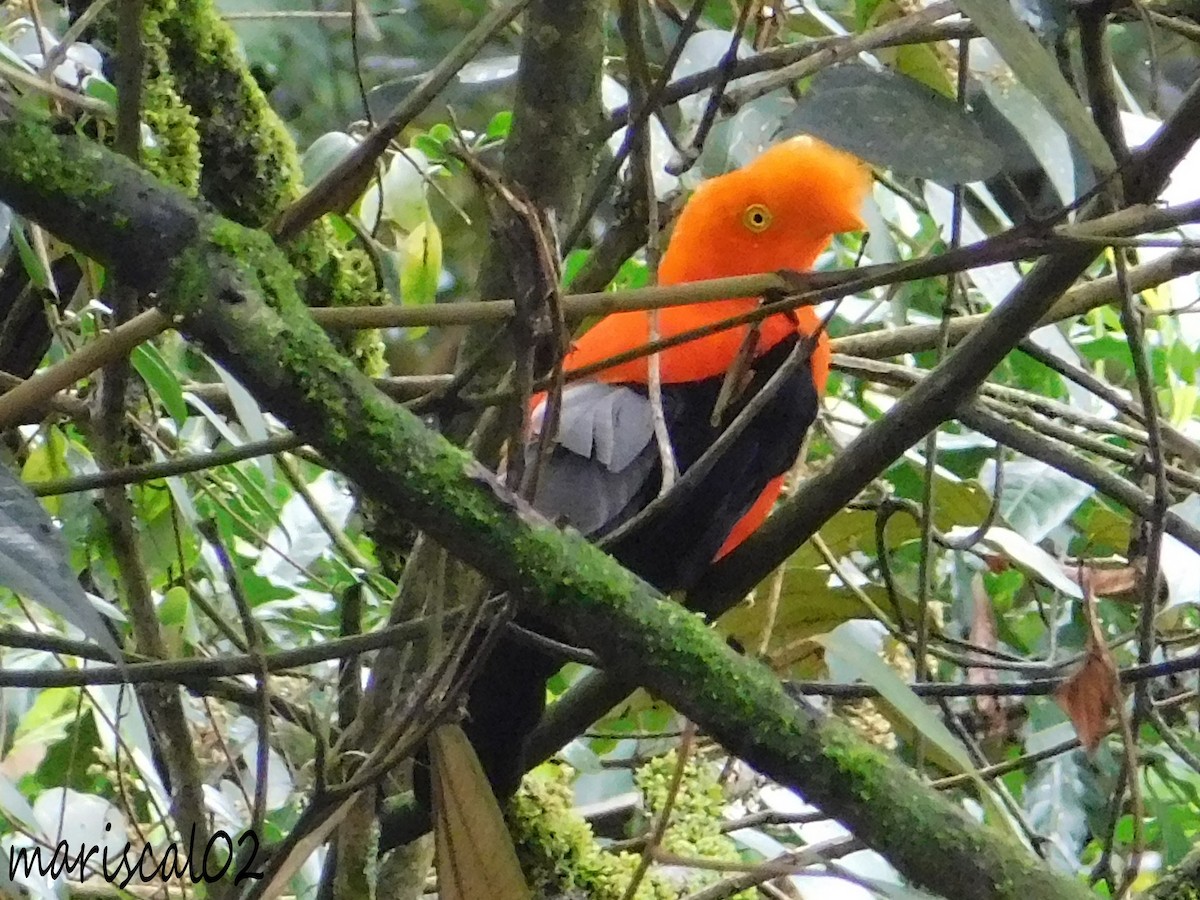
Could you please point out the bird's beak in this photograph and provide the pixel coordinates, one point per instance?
(852, 222)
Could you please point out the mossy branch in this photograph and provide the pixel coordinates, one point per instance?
(1181, 883)
(231, 289)
(220, 137)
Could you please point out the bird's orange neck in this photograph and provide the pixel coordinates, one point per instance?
(708, 357)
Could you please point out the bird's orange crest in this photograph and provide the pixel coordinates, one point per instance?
(777, 212)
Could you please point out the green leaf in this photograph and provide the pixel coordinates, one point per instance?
(341, 228)
(101, 89)
(251, 416)
(324, 153)
(1174, 821)
(432, 149)
(46, 461)
(47, 718)
(15, 807)
(1029, 558)
(864, 12)
(896, 122)
(573, 264)
(34, 562)
(848, 531)
(1036, 69)
(37, 273)
(872, 670)
(422, 266)
(162, 381)
(1036, 498)
(173, 610)
(500, 125)
(1054, 799)
(178, 621)
(950, 753)
(252, 494)
(809, 607)
(1105, 530)
(922, 63)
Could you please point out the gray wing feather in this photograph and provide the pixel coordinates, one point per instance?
(608, 423)
(604, 455)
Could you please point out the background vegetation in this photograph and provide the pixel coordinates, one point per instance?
(1007, 606)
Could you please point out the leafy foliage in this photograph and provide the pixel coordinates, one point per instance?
(1022, 570)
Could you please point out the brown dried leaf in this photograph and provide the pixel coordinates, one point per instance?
(983, 634)
(1091, 695)
(1088, 697)
(475, 854)
(1119, 583)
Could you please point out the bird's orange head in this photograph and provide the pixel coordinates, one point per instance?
(777, 212)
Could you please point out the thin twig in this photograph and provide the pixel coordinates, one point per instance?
(344, 183)
(688, 158)
(254, 642)
(664, 815)
(142, 472)
(778, 57)
(113, 345)
(197, 671)
(898, 30)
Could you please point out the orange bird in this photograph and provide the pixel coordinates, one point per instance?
(778, 212)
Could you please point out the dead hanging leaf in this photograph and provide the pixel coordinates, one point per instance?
(1091, 695)
(983, 634)
(474, 852)
(1088, 697)
(1117, 584)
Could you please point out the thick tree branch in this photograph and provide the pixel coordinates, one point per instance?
(548, 157)
(1181, 883)
(230, 289)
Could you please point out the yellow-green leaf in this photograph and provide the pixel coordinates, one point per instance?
(46, 462)
(808, 608)
(948, 751)
(422, 264)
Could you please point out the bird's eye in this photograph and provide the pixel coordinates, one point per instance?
(757, 218)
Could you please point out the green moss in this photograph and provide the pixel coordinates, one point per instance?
(175, 157)
(215, 134)
(558, 852)
(251, 169)
(850, 753)
(33, 161)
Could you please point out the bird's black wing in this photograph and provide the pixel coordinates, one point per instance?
(603, 468)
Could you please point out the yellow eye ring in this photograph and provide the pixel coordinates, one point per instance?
(757, 218)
